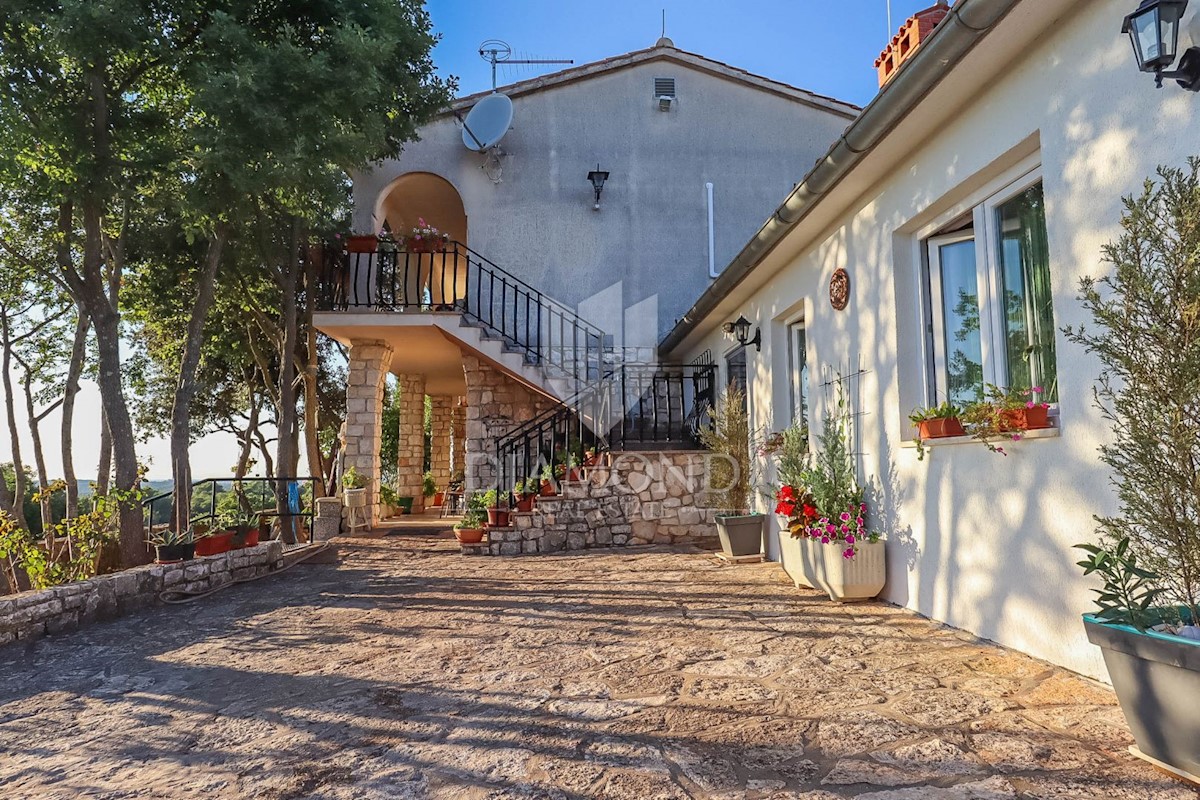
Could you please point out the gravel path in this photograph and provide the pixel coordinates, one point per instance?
(408, 671)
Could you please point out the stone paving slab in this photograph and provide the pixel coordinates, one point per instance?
(408, 671)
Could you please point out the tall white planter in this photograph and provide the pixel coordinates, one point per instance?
(798, 559)
(847, 580)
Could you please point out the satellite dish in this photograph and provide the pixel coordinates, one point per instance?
(487, 123)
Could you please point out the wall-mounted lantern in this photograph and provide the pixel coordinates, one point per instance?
(1154, 32)
(597, 177)
(740, 331)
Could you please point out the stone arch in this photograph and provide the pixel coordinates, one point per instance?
(421, 195)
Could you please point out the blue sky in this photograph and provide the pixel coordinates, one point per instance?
(826, 46)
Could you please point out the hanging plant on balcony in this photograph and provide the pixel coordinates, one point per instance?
(425, 238)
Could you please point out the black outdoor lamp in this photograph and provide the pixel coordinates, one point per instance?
(740, 330)
(597, 177)
(1154, 31)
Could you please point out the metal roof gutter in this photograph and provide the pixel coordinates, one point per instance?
(969, 22)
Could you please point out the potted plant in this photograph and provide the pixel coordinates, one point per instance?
(1005, 414)
(497, 514)
(429, 489)
(241, 526)
(728, 437)
(469, 530)
(793, 501)
(362, 243)
(548, 488)
(525, 490)
(387, 499)
(425, 238)
(1143, 330)
(354, 489)
(936, 422)
(172, 547)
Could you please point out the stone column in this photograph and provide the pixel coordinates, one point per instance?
(370, 361)
(410, 461)
(441, 433)
(458, 437)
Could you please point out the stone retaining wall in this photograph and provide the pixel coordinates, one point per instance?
(31, 615)
(633, 499)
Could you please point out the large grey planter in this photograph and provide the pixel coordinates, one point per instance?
(1157, 680)
(741, 536)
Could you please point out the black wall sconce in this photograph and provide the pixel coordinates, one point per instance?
(740, 331)
(1154, 31)
(597, 177)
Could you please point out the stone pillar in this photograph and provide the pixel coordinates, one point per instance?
(410, 462)
(458, 437)
(441, 433)
(370, 361)
(496, 405)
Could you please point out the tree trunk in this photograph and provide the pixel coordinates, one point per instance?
(17, 502)
(74, 370)
(39, 457)
(287, 450)
(312, 441)
(185, 387)
(104, 468)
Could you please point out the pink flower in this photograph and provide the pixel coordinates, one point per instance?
(845, 517)
(850, 539)
(1016, 437)
(848, 553)
(830, 529)
(846, 529)
(1037, 390)
(863, 508)
(859, 522)
(824, 540)
(1030, 404)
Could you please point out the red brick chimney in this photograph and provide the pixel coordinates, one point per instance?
(915, 30)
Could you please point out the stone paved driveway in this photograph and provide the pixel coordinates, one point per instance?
(408, 671)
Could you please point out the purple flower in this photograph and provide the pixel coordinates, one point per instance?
(845, 517)
(824, 540)
(830, 529)
(850, 539)
(848, 553)
(845, 529)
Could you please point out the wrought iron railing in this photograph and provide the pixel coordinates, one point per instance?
(631, 407)
(251, 496)
(459, 280)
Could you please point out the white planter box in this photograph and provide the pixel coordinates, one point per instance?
(797, 556)
(354, 498)
(850, 579)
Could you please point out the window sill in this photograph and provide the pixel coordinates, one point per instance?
(1040, 433)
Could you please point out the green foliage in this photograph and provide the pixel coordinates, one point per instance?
(791, 450)
(351, 479)
(525, 486)
(1146, 314)
(1129, 593)
(831, 480)
(388, 495)
(946, 410)
(428, 485)
(728, 437)
(476, 513)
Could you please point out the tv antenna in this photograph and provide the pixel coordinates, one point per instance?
(496, 52)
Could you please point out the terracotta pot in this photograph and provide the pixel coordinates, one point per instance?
(215, 544)
(468, 535)
(498, 517)
(1037, 417)
(548, 489)
(940, 428)
(525, 503)
(439, 498)
(362, 244)
(1012, 419)
(249, 539)
(413, 245)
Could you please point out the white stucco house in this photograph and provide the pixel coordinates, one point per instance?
(992, 166)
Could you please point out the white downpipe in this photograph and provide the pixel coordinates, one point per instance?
(712, 253)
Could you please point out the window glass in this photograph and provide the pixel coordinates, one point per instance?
(1028, 308)
(799, 356)
(960, 314)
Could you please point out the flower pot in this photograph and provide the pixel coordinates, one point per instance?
(799, 558)
(525, 503)
(354, 498)
(434, 245)
(498, 517)
(548, 489)
(1037, 417)
(215, 544)
(439, 498)
(468, 535)
(940, 428)
(741, 535)
(1011, 420)
(1153, 675)
(405, 504)
(362, 244)
(848, 580)
(174, 553)
(244, 537)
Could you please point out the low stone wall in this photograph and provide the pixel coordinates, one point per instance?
(31, 615)
(632, 499)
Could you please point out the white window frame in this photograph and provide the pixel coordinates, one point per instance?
(983, 205)
(796, 329)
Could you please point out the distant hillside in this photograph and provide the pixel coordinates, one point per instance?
(152, 487)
